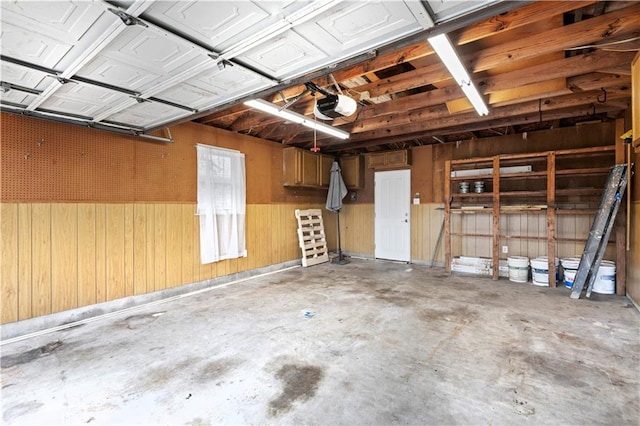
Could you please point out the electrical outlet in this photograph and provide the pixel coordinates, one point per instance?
(505, 249)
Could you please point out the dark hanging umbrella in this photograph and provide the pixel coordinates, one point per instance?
(337, 191)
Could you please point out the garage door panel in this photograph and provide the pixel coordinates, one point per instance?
(215, 23)
(285, 55)
(83, 99)
(147, 114)
(22, 76)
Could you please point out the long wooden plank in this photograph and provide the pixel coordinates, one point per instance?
(617, 23)
(471, 126)
(64, 260)
(41, 258)
(437, 117)
(114, 249)
(25, 282)
(87, 244)
(559, 68)
(9, 257)
(516, 18)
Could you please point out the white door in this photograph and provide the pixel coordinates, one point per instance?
(393, 215)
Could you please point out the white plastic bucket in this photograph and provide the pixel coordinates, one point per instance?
(570, 267)
(540, 270)
(569, 276)
(605, 282)
(518, 269)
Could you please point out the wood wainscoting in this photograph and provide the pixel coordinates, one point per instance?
(60, 256)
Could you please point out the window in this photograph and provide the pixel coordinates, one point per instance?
(221, 203)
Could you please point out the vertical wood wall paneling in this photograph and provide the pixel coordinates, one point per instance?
(115, 251)
(435, 225)
(243, 262)
(9, 259)
(265, 221)
(41, 258)
(87, 245)
(187, 249)
(129, 260)
(160, 229)
(277, 246)
(174, 245)
(140, 248)
(101, 253)
(251, 241)
(417, 232)
(150, 249)
(25, 282)
(64, 256)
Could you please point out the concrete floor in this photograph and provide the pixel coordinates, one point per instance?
(365, 343)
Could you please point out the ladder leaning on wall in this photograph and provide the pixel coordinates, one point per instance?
(600, 230)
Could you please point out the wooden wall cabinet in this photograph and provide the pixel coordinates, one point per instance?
(305, 168)
(388, 160)
(353, 171)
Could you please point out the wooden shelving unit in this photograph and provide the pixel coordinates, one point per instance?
(557, 180)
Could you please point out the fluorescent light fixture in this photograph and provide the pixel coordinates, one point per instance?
(294, 117)
(443, 47)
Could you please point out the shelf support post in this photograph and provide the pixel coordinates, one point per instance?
(495, 253)
(447, 216)
(621, 222)
(551, 217)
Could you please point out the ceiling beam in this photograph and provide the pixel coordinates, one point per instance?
(433, 117)
(500, 122)
(604, 27)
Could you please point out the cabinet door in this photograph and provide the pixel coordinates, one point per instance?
(353, 172)
(310, 165)
(325, 170)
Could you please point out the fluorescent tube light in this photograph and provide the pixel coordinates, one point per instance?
(443, 47)
(294, 117)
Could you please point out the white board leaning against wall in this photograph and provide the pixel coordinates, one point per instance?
(221, 203)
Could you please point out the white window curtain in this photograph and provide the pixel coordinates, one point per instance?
(221, 203)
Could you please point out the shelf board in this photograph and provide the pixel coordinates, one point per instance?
(586, 171)
(579, 191)
(523, 211)
(576, 211)
(464, 234)
(526, 175)
(471, 178)
(523, 194)
(472, 194)
(584, 151)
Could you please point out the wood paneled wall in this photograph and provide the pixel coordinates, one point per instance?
(357, 225)
(426, 222)
(62, 256)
